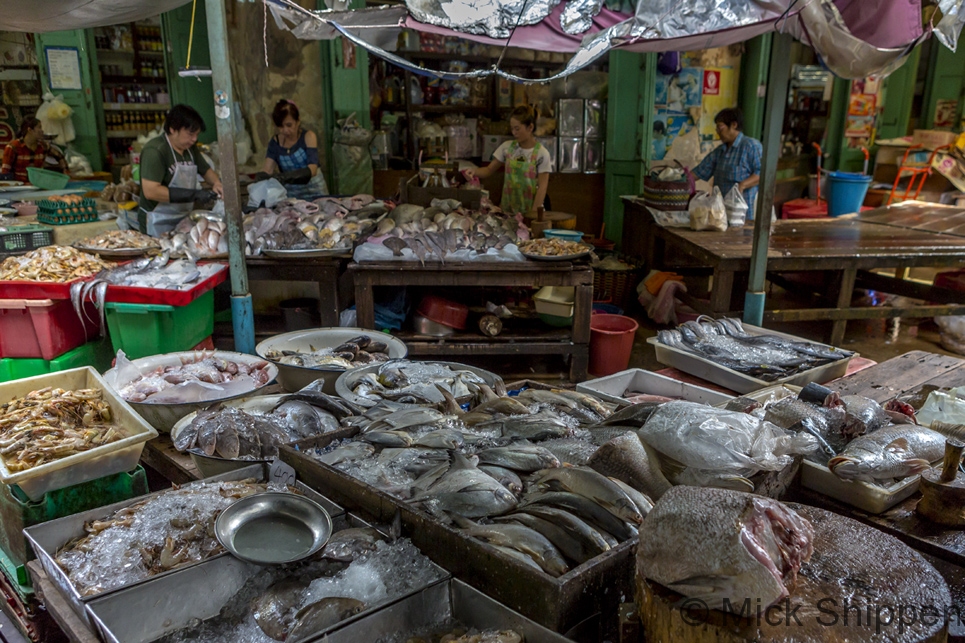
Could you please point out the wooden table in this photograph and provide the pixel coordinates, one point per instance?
(849, 248)
(572, 343)
(325, 271)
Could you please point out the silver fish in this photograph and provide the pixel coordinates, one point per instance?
(345, 452)
(584, 508)
(628, 459)
(322, 615)
(520, 456)
(523, 539)
(715, 545)
(505, 477)
(467, 491)
(893, 452)
(596, 487)
(440, 439)
(388, 438)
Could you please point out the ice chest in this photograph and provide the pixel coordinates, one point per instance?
(101, 461)
(44, 328)
(141, 330)
(17, 511)
(96, 354)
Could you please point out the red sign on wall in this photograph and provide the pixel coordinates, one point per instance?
(711, 82)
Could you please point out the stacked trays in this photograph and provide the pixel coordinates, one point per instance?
(61, 213)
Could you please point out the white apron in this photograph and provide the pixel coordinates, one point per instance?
(166, 216)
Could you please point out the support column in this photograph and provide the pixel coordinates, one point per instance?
(777, 82)
(242, 311)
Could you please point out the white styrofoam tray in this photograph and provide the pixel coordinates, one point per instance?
(98, 462)
(613, 387)
(712, 372)
(873, 498)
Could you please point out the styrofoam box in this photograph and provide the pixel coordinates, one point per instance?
(612, 387)
(712, 372)
(873, 498)
(101, 461)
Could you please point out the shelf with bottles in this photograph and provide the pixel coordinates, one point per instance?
(136, 96)
(120, 124)
(137, 107)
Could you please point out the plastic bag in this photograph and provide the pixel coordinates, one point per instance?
(736, 208)
(943, 406)
(55, 114)
(952, 332)
(707, 211)
(353, 162)
(712, 439)
(671, 219)
(270, 191)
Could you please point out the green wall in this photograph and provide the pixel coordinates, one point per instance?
(196, 92)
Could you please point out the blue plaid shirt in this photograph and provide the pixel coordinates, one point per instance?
(731, 165)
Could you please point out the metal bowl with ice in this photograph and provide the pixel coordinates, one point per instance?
(303, 356)
(273, 528)
(163, 413)
(425, 375)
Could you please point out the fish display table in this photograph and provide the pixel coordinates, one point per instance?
(325, 271)
(847, 249)
(572, 343)
(66, 235)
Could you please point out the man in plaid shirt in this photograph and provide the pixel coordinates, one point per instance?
(736, 162)
(28, 150)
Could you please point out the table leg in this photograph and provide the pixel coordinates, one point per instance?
(846, 289)
(582, 309)
(579, 363)
(364, 302)
(722, 290)
(328, 297)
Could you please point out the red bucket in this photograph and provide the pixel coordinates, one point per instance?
(611, 340)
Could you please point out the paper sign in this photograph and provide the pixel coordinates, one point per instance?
(945, 113)
(281, 473)
(63, 67)
(711, 82)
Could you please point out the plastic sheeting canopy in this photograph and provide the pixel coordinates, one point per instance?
(58, 15)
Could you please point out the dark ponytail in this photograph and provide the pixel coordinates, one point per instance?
(526, 115)
(28, 124)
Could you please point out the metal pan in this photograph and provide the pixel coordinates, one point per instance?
(572, 257)
(307, 253)
(345, 384)
(118, 253)
(47, 538)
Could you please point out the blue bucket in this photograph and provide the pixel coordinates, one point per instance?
(847, 192)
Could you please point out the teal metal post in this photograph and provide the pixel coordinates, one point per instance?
(777, 83)
(242, 311)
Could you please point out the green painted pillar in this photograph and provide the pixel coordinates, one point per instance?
(345, 89)
(945, 82)
(196, 92)
(629, 127)
(87, 101)
(753, 83)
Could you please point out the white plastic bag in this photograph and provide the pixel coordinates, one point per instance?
(707, 211)
(269, 191)
(670, 218)
(952, 332)
(736, 208)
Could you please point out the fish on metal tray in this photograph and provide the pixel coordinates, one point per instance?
(715, 545)
(587, 482)
(348, 544)
(321, 615)
(577, 540)
(467, 491)
(345, 452)
(628, 459)
(519, 456)
(894, 451)
(584, 508)
(523, 539)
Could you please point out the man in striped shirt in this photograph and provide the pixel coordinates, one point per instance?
(28, 150)
(736, 162)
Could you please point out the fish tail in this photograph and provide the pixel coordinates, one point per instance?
(949, 430)
(916, 465)
(838, 460)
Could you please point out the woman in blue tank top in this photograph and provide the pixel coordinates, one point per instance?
(292, 155)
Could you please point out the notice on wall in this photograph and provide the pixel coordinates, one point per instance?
(945, 113)
(63, 67)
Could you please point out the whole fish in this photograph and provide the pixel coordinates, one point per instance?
(554, 398)
(388, 438)
(523, 539)
(321, 615)
(532, 427)
(715, 545)
(584, 508)
(344, 452)
(635, 415)
(520, 456)
(628, 459)
(467, 491)
(505, 477)
(274, 610)
(588, 401)
(348, 544)
(440, 439)
(592, 485)
(893, 452)
(518, 555)
(644, 504)
(824, 423)
(595, 541)
(568, 542)
(504, 405)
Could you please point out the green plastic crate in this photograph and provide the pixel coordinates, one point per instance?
(97, 354)
(14, 572)
(18, 512)
(141, 330)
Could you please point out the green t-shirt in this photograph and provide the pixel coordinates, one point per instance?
(157, 164)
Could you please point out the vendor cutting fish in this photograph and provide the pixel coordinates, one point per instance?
(171, 168)
(292, 156)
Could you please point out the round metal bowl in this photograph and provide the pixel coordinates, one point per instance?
(273, 528)
(293, 378)
(345, 384)
(211, 465)
(164, 416)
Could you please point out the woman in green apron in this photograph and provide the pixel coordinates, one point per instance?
(171, 165)
(527, 165)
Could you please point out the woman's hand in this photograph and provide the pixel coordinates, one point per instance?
(469, 173)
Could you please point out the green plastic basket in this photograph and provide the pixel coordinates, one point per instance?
(46, 179)
(18, 239)
(141, 330)
(97, 354)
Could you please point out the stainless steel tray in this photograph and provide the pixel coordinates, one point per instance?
(147, 611)
(448, 600)
(696, 365)
(47, 538)
(612, 387)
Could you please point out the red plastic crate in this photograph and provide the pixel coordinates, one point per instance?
(43, 328)
(36, 289)
(134, 295)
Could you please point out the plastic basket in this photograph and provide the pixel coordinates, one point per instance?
(18, 511)
(19, 239)
(615, 286)
(46, 179)
(141, 330)
(97, 354)
(59, 213)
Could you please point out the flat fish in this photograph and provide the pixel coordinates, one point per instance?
(321, 615)
(715, 545)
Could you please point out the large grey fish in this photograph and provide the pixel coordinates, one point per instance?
(587, 482)
(440, 439)
(569, 543)
(582, 507)
(594, 541)
(344, 452)
(415, 460)
(628, 459)
(715, 545)
(893, 452)
(520, 456)
(824, 423)
(321, 615)
(641, 500)
(467, 491)
(532, 427)
(506, 477)
(523, 539)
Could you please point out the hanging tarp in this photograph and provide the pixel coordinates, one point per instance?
(848, 43)
(42, 16)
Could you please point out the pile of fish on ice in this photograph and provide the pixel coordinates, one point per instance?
(766, 357)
